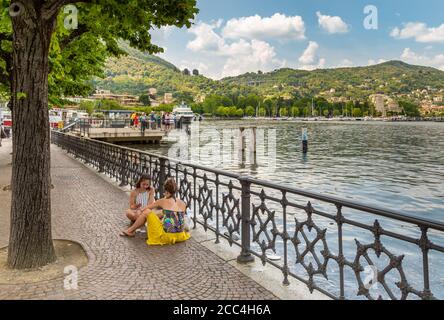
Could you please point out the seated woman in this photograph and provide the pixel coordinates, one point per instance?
(166, 226)
(140, 198)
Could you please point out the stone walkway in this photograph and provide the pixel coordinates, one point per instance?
(89, 210)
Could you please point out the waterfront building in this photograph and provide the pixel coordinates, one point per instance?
(383, 104)
(167, 98)
(152, 91)
(427, 108)
(393, 106)
(379, 101)
(123, 99)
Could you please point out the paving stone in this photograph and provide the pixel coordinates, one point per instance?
(89, 210)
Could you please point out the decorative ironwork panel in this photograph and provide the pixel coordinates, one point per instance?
(231, 214)
(261, 221)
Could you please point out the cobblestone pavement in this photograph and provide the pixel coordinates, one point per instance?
(89, 210)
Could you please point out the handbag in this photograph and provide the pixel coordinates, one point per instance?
(187, 218)
(173, 222)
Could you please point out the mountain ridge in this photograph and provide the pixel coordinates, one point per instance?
(136, 72)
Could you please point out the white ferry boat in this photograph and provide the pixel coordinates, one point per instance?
(183, 113)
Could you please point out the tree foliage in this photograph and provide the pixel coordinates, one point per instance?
(77, 55)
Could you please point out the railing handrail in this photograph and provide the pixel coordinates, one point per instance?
(69, 126)
(429, 223)
(355, 205)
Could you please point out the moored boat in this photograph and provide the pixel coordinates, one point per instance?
(183, 114)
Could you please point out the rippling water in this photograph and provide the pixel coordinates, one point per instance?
(398, 166)
(392, 165)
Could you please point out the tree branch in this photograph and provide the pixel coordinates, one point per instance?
(75, 34)
(52, 8)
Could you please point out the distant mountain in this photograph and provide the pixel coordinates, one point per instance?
(137, 72)
(393, 77)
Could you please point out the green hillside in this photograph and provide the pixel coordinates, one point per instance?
(137, 72)
(393, 77)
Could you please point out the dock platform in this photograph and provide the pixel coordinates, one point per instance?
(126, 135)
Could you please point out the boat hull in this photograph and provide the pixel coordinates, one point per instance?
(184, 119)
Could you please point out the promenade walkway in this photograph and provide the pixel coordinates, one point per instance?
(89, 210)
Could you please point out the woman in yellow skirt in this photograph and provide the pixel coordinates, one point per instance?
(166, 226)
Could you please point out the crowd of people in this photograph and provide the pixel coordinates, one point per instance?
(165, 219)
(163, 121)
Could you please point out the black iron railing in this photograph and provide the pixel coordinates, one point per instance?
(341, 248)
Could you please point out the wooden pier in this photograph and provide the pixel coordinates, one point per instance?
(122, 135)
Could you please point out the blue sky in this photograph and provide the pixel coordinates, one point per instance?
(232, 37)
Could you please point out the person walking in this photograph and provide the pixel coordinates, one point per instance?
(167, 121)
(132, 119)
(159, 121)
(143, 123)
(163, 119)
(152, 120)
(136, 121)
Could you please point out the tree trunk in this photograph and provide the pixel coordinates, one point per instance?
(30, 242)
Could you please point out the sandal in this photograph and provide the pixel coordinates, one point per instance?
(126, 234)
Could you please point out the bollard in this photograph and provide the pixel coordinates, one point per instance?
(304, 140)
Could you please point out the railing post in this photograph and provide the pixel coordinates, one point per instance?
(245, 256)
(101, 157)
(123, 178)
(162, 175)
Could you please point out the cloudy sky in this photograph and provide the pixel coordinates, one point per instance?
(231, 37)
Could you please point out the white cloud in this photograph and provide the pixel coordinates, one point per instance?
(372, 62)
(346, 63)
(240, 56)
(245, 56)
(420, 32)
(278, 26)
(309, 55)
(160, 36)
(309, 59)
(412, 57)
(206, 39)
(332, 24)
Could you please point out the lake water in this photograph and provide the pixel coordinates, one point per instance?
(393, 165)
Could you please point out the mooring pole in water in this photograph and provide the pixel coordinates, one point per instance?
(304, 140)
(254, 131)
(242, 142)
